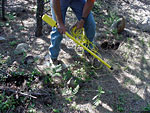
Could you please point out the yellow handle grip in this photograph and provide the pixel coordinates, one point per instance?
(53, 23)
(49, 20)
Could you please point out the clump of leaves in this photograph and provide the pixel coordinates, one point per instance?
(120, 106)
(6, 103)
(11, 16)
(13, 43)
(56, 110)
(147, 108)
(112, 17)
(97, 97)
(96, 8)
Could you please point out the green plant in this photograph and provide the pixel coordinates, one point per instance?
(97, 6)
(31, 108)
(56, 111)
(11, 16)
(57, 68)
(112, 17)
(2, 60)
(21, 27)
(35, 72)
(69, 98)
(67, 75)
(120, 105)
(97, 97)
(13, 43)
(6, 103)
(32, 76)
(120, 108)
(1, 24)
(147, 108)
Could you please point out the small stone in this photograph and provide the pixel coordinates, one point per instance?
(11, 38)
(145, 25)
(119, 25)
(47, 100)
(21, 48)
(29, 60)
(57, 79)
(2, 39)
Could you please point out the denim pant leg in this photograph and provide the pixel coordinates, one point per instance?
(89, 26)
(56, 37)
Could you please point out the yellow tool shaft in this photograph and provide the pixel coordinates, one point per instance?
(85, 48)
(52, 23)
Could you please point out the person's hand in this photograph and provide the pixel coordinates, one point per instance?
(61, 28)
(79, 24)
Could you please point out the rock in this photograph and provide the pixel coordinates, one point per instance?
(130, 33)
(119, 25)
(47, 100)
(29, 60)
(100, 35)
(21, 48)
(145, 25)
(2, 39)
(20, 109)
(57, 79)
(12, 38)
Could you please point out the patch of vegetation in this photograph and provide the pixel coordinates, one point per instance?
(6, 103)
(112, 17)
(56, 110)
(96, 8)
(97, 97)
(13, 43)
(10, 16)
(121, 104)
(147, 108)
(10, 103)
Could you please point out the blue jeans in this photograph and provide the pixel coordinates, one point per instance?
(77, 7)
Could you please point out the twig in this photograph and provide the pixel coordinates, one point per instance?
(13, 91)
(89, 90)
(39, 94)
(5, 72)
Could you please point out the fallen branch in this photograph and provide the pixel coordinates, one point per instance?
(17, 92)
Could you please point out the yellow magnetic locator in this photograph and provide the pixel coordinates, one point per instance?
(49, 20)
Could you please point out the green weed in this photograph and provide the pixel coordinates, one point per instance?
(147, 108)
(13, 43)
(6, 103)
(120, 105)
(97, 97)
(56, 110)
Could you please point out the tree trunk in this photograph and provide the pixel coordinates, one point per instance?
(39, 14)
(3, 10)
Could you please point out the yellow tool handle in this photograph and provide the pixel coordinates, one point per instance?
(53, 23)
(88, 50)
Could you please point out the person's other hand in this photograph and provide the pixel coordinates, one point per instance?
(79, 24)
(61, 28)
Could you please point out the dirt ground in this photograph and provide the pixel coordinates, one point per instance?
(126, 89)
